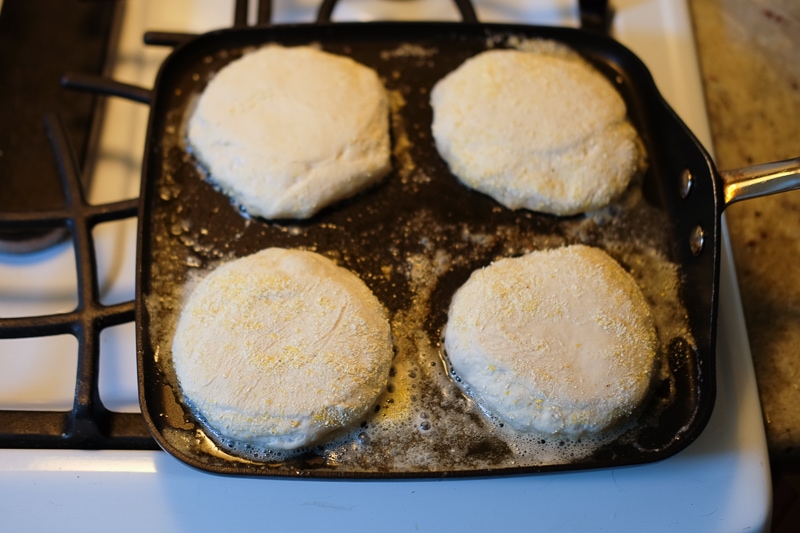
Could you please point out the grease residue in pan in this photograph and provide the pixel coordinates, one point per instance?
(414, 238)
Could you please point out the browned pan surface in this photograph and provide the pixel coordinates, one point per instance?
(414, 239)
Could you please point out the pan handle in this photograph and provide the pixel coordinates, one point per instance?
(760, 180)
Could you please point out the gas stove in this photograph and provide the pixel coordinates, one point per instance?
(719, 483)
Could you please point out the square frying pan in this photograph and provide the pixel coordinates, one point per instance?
(414, 239)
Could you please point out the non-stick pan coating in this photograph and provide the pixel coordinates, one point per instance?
(418, 217)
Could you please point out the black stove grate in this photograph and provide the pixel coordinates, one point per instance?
(88, 425)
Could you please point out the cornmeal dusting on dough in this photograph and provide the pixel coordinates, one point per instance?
(288, 131)
(557, 342)
(281, 348)
(539, 129)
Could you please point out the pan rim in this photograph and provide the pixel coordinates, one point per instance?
(344, 30)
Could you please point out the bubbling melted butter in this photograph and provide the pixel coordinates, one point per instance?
(424, 422)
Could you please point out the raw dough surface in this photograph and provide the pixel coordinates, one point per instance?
(288, 131)
(557, 342)
(281, 348)
(541, 130)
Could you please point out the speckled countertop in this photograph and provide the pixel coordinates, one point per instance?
(750, 60)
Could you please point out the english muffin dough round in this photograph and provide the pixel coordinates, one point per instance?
(556, 342)
(540, 130)
(280, 348)
(288, 131)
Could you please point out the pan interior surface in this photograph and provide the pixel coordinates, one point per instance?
(414, 238)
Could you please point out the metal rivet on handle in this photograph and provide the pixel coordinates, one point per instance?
(696, 240)
(686, 182)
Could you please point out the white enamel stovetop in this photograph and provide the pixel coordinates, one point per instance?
(719, 483)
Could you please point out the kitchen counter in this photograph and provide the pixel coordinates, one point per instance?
(749, 52)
